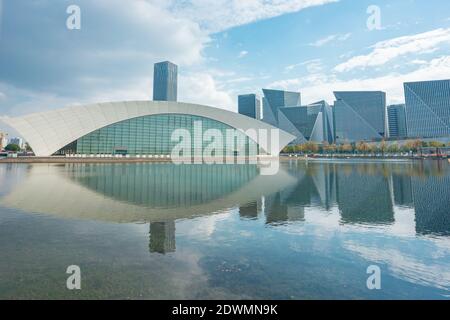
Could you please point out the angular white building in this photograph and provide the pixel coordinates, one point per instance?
(136, 128)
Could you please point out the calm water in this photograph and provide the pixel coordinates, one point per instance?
(161, 231)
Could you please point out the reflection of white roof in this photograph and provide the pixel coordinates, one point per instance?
(47, 189)
(49, 131)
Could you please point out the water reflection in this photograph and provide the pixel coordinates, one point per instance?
(162, 237)
(161, 194)
(165, 231)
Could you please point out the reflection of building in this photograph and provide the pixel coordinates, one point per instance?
(278, 210)
(249, 210)
(163, 185)
(432, 204)
(401, 184)
(274, 100)
(165, 81)
(137, 128)
(397, 121)
(162, 237)
(324, 177)
(360, 116)
(364, 198)
(428, 108)
(142, 192)
(249, 105)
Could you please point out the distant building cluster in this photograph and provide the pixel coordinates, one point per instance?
(356, 115)
(145, 128)
(4, 141)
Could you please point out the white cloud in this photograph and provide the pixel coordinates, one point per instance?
(202, 88)
(330, 38)
(218, 15)
(430, 273)
(311, 66)
(119, 67)
(321, 85)
(419, 62)
(242, 54)
(385, 51)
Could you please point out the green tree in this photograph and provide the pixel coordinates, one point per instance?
(346, 148)
(329, 148)
(362, 147)
(383, 147)
(28, 147)
(393, 148)
(12, 147)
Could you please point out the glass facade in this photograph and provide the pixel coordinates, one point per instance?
(428, 108)
(397, 121)
(276, 99)
(360, 116)
(308, 123)
(152, 135)
(249, 105)
(165, 80)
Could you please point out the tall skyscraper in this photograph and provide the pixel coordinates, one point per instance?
(165, 81)
(397, 121)
(360, 116)
(249, 105)
(428, 108)
(276, 99)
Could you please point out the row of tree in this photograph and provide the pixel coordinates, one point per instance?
(361, 147)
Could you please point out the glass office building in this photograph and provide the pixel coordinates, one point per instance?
(276, 99)
(249, 105)
(428, 108)
(360, 116)
(312, 123)
(165, 77)
(397, 121)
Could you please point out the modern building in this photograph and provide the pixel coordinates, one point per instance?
(17, 141)
(360, 116)
(139, 128)
(428, 108)
(165, 81)
(276, 99)
(312, 123)
(249, 105)
(397, 121)
(3, 140)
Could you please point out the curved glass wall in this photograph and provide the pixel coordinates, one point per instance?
(152, 135)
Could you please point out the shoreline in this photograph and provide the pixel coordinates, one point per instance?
(61, 160)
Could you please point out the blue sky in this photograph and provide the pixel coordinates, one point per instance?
(223, 48)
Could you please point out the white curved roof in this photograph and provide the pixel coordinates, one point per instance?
(49, 131)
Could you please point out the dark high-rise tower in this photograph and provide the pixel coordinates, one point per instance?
(249, 105)
(397, 121)
(165, 81)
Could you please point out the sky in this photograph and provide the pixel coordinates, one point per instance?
(223, 48)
